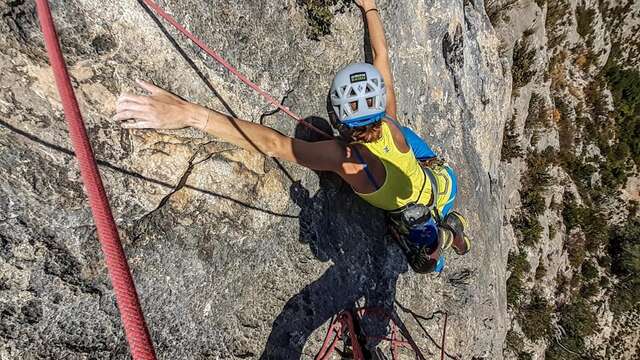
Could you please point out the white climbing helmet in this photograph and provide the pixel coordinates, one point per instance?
(358, 95)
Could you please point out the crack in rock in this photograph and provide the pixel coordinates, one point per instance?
(182, 182)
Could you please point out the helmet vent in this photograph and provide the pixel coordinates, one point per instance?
(358, 95)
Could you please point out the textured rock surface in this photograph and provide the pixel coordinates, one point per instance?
(235, 255)
(569, 44)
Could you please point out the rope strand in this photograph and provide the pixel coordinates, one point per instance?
(158, 10)
(135, 328)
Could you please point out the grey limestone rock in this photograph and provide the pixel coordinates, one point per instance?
(236, 255)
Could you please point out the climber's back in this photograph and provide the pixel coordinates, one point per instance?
(403, 181)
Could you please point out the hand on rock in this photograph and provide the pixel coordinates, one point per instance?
(158, 110)
(366, 4)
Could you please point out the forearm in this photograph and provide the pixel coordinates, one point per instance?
(248, 135)
(376, 33)
(380, 52)
(164, 110)
(323, 156)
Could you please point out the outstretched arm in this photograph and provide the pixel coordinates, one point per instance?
(164, 110)
(380, 52)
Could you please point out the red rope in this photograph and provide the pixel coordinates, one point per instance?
(115, 259)
(345, 324)
(444, 336)
(158, 10)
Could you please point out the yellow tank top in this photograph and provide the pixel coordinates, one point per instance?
(404, 176)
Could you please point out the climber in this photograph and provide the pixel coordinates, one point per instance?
(378, 158)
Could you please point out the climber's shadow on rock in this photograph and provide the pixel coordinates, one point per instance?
(341, 229)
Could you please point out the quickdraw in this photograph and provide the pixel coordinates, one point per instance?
(346, 324)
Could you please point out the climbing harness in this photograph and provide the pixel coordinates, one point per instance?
(115, 258)
(158, 10)
(416, 228)
(346, 328)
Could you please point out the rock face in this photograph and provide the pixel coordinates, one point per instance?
(565, 56)
(236, 255)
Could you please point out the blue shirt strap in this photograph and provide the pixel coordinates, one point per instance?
(361, 160)
(421, 149)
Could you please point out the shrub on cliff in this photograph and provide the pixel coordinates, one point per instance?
(519, 266)
(524, 56)
(584, 18)
(538, 115)
(535, 317)
(529, 228)
(510, 142)
(578, 321)
(320, 15)
(625, 87)
(624, 250)
(557, 15)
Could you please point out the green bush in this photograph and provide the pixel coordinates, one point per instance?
(633, 208)
(575, 246)
(625, 87)
(580, 172)
(590, 290)
(570, 215)
(534, 182)
(589, 270)
(591, 221)
(596, 100)
(535, 317)
(538, 114)
(584, 17)
(533, 202)
(578, 319)
(537, 175)
(552, 231)
(514, 290)
(523, 355)
(529, 228)
(566, 129)
(510, 142)
(557, 12)
(514, 341)
(541, 270)
(523, 60)
(519, 266)
(562, 284)
(605, 261)
(320, 15)
(624, 250)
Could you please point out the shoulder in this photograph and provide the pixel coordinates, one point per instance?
(397, 134)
